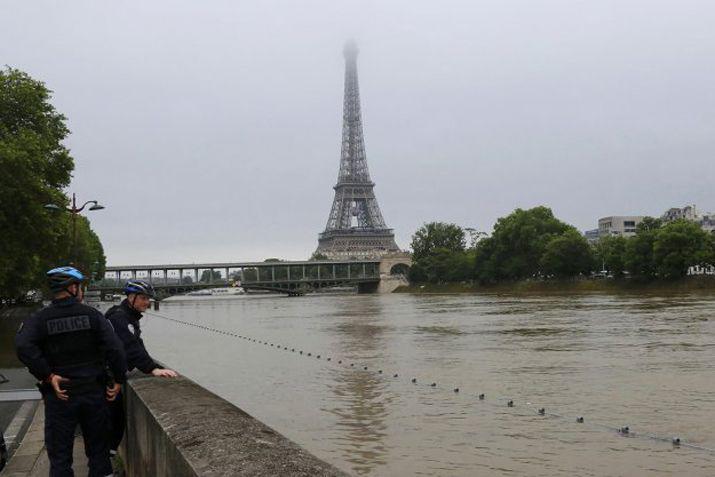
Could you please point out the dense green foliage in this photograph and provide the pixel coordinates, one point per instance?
(533, 244)
(35, 167)
(208, 276)
(517, 245)
(567, 255)
(439, 254)
(610, 254)
(677, 246)
(435, 237)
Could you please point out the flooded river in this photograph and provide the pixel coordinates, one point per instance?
(641, 361)
(646, 362)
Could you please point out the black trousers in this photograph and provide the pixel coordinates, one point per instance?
(118, 419)
(89, 410)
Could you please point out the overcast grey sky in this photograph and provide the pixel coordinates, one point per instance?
(211, 129)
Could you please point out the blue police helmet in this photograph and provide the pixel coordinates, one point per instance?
(62, 277)
(139, 286)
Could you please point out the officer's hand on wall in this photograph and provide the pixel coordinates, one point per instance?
(112, 391)
(163, 373)
(55, 382)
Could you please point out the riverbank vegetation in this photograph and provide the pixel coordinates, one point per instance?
(533, 245)
(36, 167)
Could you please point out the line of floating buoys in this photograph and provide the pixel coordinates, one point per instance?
(622, 430)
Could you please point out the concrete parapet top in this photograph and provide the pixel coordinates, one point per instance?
(211, 435)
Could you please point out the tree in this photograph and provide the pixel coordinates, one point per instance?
(680, 245)
(515, 248)
(649, 223)
(210, 275)
(474, 236)
(639, 253)
(89, 253)
(437, 235)
(610, 254)
(567, 255)
(36, 167)
(317, 257)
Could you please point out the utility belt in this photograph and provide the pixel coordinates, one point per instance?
(76, 385)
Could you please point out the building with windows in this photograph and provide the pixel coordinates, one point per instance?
(690, 212)
(619, 225)
(591, 235)
(707, 222)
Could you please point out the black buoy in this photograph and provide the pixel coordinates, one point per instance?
(433, 385)
(394, 375)
(310, 354)
(579, 419)
(542, 411)
(328, 359)
(340, 361)
(301, 351)
(624, 430)
(379, 371)
(414, 380)
(365, 368)
(318, 356)
(352, 365)
(456, 390)
(510, 403)
(676, 441)
(481, 397)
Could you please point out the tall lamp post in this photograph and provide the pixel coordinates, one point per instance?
(74, 210)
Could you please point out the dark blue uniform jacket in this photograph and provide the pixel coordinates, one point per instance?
(125, 321)
(72, 340)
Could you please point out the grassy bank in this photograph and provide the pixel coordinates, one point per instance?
(704, 284)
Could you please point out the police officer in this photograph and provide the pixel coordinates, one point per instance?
(68, 346)
(125, 320)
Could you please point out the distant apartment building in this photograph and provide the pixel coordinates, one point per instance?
(591, 235)
(707, 222)
(619, 225)
(690, 212)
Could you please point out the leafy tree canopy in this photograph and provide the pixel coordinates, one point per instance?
(678, 246)
(37, 166)
(516, 246)
(437, 235)
(567, 255)
(610, 254)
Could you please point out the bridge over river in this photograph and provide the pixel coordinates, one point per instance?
(293, 278)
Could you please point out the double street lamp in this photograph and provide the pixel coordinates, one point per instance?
(74, 210)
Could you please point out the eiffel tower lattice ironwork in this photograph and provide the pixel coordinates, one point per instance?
(355, 226)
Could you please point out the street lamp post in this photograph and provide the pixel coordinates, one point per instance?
(74, 210)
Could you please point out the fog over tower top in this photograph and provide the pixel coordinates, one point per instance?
(350, 50)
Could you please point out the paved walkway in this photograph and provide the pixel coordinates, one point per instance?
(30, 459)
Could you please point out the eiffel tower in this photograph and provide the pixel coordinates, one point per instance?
(355, 226)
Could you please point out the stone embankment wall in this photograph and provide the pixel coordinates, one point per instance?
(177, 428)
